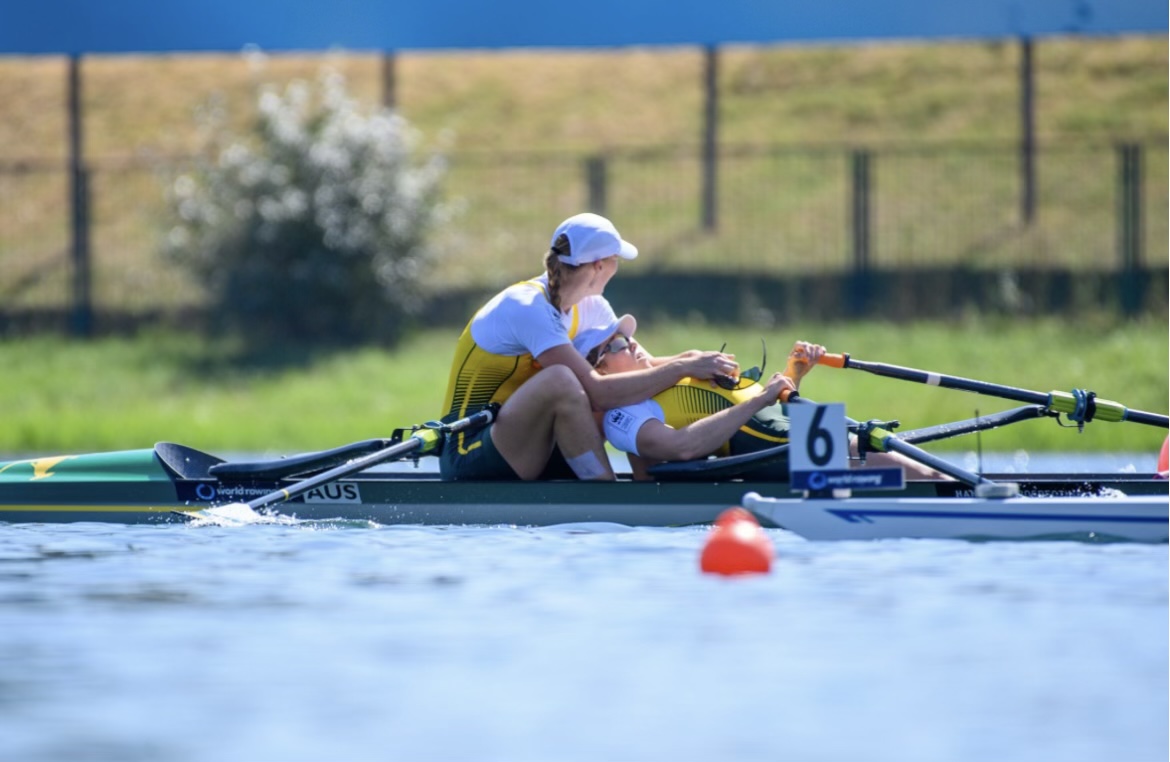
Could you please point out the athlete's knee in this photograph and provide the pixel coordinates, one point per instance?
(550, 382)
(560, 376)
(564, 389)
(572, 399)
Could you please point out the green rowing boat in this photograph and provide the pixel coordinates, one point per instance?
(172, 482)
(164, 483)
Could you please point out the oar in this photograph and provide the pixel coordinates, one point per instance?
(972, 425)
(886, 441)
(1080, 406)
(882, 440)
(422, 441)
(729, 466)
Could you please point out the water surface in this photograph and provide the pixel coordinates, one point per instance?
(311, 641)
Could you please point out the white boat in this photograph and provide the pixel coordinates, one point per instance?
(1138, 518)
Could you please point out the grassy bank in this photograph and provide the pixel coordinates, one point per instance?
(1109, 88)
(941, 118)
(59, 396)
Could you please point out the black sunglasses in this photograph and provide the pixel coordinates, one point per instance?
(617, 344)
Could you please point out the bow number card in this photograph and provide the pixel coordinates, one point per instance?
(818, 454)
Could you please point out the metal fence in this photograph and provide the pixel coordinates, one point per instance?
(874, 226)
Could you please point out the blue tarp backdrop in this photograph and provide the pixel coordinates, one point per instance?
(129, 26)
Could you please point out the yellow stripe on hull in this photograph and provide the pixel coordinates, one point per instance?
(95, 509)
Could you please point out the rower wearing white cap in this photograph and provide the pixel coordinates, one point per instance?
(525, 350)
(694, 419)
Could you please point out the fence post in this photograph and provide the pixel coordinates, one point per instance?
(858, 300)
(1129, 228)
(710, 138)
(81, 317)
(595, 183)
(389, 79)
(1027, 135)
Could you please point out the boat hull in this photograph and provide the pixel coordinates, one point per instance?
(1144, 518)
(169, 481)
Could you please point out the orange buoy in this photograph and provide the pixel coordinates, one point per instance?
(1164, 457)
(734, 514)
(736, 545)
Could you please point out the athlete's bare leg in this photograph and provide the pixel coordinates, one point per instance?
(551, 408)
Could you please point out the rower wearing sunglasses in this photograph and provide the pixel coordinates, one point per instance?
(525, 351)
(695, 419)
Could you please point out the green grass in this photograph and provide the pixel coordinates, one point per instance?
(521, 122)
(1112, 87)
(63, 396)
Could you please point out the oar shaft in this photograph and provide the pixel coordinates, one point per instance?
(422, 440)
(1150, 419)
(884, 441)
(971, 425)
(728, 466)
(1078, 408)
(399, 450)
(936, 379)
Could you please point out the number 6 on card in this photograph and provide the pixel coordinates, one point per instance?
(817, 438)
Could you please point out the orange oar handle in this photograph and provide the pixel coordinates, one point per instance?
(834, 361)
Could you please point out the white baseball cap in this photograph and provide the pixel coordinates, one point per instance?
(591, 237)
(596, 338)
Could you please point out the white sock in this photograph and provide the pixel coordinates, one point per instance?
(586, 466)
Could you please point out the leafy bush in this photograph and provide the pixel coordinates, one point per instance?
(314, 225)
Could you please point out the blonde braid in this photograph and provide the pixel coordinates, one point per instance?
(556, 268)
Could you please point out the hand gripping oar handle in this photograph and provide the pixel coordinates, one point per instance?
(423, 440)
(1080, 406)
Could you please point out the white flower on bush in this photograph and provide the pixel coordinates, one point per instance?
(284, 213)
